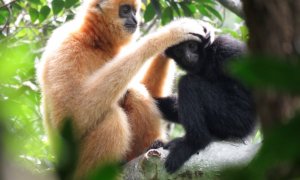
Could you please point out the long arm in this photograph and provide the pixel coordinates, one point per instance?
(159, 76)
(168, 106)
(112, 79)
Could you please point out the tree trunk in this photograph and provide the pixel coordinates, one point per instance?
(274, 29)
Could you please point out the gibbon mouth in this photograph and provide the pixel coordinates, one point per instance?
(130, 27)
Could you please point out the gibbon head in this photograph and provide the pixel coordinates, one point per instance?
(190, 55)
(116, 19)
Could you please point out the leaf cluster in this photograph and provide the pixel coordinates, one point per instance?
(167, 10)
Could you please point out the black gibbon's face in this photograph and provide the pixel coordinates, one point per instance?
(128, 13)
(188, 55)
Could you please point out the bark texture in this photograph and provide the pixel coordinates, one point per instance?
(274, 29)
(233, 5)
(204, 165)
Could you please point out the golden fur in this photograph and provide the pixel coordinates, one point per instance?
(83, 75)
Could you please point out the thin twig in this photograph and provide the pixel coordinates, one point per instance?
(233, 5)
(7, 4)
(6, 25)
(151, 25)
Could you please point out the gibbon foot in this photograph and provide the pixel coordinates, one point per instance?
(172, 143)
(180, 152)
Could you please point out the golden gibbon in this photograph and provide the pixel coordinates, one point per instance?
(85, 75)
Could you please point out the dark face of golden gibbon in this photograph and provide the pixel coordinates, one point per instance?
(127, 12)
(119, 16)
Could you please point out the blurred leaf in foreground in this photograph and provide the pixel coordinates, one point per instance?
(268, 72)
(107, 172)
(279, 153)
(67, 152)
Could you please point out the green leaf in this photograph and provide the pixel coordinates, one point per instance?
(268, 72)
(203, 11)
(16, 6)
(44, 13)
(156, 6)
(69, 17)
(167, 15)
(34, 14)
(107, 172)
(175, 7)
(3, 15)
(192, 8)
(273, 150)
(57, 6)
(35, 1)
(206, 2)
(214, 12)
(67, 150)
(233, 33)
(244, 33)
(70, 3)
(149, 13)
(1, 35)
(186, 9)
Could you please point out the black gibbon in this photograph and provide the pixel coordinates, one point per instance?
(211, 105)
(84, 75)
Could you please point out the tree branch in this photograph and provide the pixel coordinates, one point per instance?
(205, 164)
(233, 5)
(7, 4)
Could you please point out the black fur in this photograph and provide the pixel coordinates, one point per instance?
(168, 107)
(211, 104)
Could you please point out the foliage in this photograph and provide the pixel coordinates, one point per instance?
(280, 75)
(19, 102)
(25, 27)
(279, 156)
(170, 9)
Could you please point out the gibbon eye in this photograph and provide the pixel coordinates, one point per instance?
(125, 9)
(192, 46)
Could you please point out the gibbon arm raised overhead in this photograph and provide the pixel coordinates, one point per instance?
(125, 66)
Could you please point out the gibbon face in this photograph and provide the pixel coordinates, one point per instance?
(120, 17)
(188, 55)
(127, 12)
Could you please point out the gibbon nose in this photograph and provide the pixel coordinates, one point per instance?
(131, 24)
(188, 57)
(132, 21)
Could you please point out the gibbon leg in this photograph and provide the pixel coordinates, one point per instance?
(144, 120)
(197, 133)
(159, 76)
(107, 142)
(141, 109)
